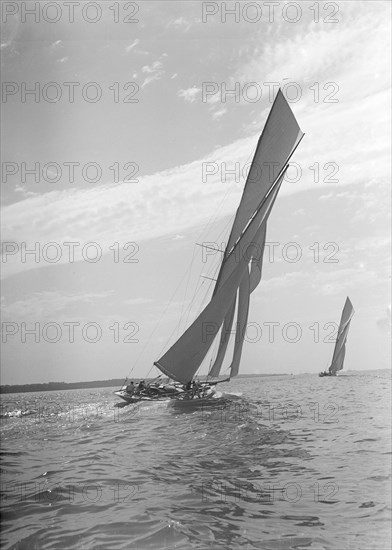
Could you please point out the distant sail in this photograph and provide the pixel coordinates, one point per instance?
(340, 346)
(340, 359)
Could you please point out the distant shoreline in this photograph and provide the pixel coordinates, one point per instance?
(113, 382)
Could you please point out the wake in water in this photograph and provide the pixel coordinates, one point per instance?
(18, 413)
(281, 463)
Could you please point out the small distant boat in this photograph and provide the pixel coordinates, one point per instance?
(239, 274)
(340, 345)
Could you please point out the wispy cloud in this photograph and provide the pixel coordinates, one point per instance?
(219, 113)
(353, 133)
(190, 94)
(137, 301)
(160, 204)
(22, 189)
(181, 23)
(131, 46)
(327, 283)
(42, 305)
(57, 44)
(150, 69)
(154, 72)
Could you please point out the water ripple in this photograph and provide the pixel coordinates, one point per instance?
(306, 468)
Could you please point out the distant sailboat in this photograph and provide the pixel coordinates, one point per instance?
(241, 267)
(340, 345)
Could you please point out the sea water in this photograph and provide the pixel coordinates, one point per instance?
(283, 462)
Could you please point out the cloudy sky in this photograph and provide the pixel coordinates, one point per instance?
(139, 120)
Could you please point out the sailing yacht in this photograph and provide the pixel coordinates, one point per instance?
(340, 345)
(241, 267)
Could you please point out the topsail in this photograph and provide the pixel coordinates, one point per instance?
(280, 137)
(240, 271)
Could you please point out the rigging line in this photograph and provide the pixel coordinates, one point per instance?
(188, 271)
(215, 342)
(249, 161)
(228, 192)
(227, 226)
(189, 308)
(214, 351)
(210, 271)
(260, 206)
(204, 231)
(159, 320)
(204, 299)
(280, 174)
(269, 192)
(191, 303)
(214, 215)
(175, 329)
(205, 296)
(229, 335)
(186, 288)
(151, 370)
(202, 303)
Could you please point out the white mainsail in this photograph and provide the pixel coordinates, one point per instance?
(340, 345)
(240, 271)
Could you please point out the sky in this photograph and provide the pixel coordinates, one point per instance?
(132, 147)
